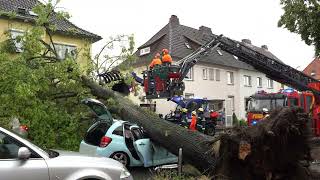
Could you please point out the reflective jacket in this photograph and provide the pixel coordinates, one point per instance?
(193, 125)
(154, 62)
(166, 58)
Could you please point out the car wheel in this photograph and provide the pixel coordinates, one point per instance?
(210, 131)
(121, 157)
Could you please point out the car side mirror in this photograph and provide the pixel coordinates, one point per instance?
(24, 153)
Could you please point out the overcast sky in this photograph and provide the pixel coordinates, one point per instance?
(252, 19)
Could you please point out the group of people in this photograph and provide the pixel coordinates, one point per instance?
(163, 59)
(197, 117)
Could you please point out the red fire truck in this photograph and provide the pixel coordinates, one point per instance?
(269, 101)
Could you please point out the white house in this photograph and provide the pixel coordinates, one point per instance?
(220, 77)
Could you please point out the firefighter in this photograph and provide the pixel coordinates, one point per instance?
(184, 117)
(193, 125)
(265, 113)
(201, 119)
(214, 116)
(166, 58)
(156, 61)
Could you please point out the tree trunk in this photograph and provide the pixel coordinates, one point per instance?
(196, 146)
(271, 150)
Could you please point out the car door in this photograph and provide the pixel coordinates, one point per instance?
(99, 109)
(162, 155)
(12, 168)
(142, 146)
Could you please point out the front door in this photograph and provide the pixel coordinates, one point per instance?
(12, 168)
(229, 111)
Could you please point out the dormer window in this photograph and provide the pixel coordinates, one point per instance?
(22, 11)
(313, 73)
(144, 51)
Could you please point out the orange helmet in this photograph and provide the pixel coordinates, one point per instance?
(165, 51)
(157, 55)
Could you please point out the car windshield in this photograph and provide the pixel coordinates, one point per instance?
(270, 104)
(34, 146)
(52, 153)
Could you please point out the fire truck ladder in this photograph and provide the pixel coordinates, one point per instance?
(274, 69)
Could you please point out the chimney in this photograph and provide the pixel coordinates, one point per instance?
(265, 47)
(205, 30)
(247, 41)
(174, 21)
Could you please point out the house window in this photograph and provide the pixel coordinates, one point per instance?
(211, 74)
(188, 95)
(205, 73)
(270, 83)
(64, 50)
(217, 74)
(189, 75)
(144, 51)
(259, 81)
(247, 80)
(16, 36)
(211, 106)
(230, 78)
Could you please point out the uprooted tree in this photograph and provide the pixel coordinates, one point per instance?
(46, 92)
(274, 149)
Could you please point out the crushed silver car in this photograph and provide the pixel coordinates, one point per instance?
(21, 159)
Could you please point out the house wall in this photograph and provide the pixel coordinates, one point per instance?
(81, 44)
(247, 91)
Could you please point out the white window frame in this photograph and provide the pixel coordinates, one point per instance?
(217, 74)
(144, 51)
(204, 73)
(259, 82)
(211, 74)
(230, 78)
(14, 33)
(68, 47)
(247, 80)
(270, 83)
(189, 75)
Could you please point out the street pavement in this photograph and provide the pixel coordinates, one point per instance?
(141, 173)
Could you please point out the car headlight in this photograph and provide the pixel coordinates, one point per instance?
(125, 174)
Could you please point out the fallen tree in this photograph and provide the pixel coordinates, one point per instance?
(276, 148)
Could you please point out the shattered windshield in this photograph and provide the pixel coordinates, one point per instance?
(259, 104)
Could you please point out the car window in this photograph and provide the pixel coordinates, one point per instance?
(96, 132)
(9, 147)
(137, 134)
(118, 131)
